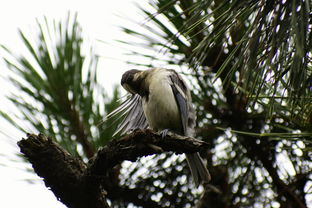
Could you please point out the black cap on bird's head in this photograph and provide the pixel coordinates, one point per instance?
(129, 81)
(128, 76)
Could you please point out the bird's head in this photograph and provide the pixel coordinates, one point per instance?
(131, 81)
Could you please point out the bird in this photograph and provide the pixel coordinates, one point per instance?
(160, 99)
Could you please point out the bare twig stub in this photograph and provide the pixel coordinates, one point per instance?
(79, 185)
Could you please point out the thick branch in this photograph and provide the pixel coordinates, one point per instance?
(63, 173)
(142, 143)
(79, 185)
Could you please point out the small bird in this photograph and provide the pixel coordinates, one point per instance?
(160, 99)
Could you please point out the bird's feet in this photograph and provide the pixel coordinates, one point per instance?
(164, 133)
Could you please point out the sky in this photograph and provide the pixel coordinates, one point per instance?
(99, 20)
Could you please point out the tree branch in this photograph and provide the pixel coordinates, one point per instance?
(142, 143)
(78, 185)
(62, 172)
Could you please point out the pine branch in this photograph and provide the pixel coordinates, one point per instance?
(142, 143)
(62, 173)
(77, 184)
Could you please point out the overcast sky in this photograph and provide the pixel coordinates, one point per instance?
(99, 20)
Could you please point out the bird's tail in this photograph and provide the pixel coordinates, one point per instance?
(199, 171)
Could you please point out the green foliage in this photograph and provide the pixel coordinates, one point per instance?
(249, 63)
(58, 92)
(262, 47)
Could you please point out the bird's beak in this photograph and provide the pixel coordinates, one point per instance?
(128, 88)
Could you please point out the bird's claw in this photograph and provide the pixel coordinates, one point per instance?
(164, 133)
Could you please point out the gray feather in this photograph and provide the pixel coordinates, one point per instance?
(182, 95)
(198, 169)
(122, 106)
(133, 114)
(182, 105)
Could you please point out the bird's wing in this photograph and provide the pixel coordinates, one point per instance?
(131, 111)
(180, 92)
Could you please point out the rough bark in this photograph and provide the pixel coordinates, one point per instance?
(77, 184)
(62, 173)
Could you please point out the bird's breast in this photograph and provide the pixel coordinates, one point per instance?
(160, 107)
